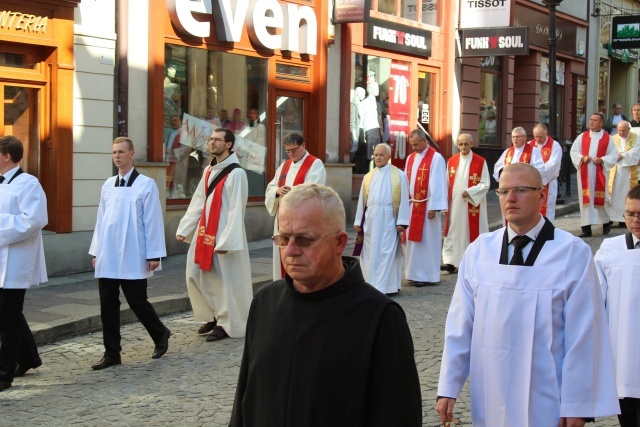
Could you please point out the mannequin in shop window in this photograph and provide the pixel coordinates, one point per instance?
(372, 118)
(356, 118)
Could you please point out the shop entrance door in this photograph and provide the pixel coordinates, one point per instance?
(427, 102)
(292, 115)
(19, 117)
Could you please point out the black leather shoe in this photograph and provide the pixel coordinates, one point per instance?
(606, 228)
(447, 267)
(106, 362)
(423, 284)
(586, 231)
(4, 385)
(162, 346)
(22, 369)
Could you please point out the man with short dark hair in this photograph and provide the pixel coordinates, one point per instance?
(301, 167)
(323, 347)
(635, 112)
(588, 155)
(127, 245)
(615, 118)
(218, 268)
(618, 263)
(527, 322)
(23, 214)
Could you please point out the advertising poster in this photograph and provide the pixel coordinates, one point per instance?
(399, 91)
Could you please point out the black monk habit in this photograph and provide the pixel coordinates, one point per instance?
(341, 356)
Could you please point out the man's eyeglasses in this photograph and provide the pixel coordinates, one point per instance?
(631, 215)
(292, 150)
(302, 241)
(501, 192)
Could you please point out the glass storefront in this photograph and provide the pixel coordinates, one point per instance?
(204, 90)
(544, 95)
(489, 113)
(424, 11)
(379, 108)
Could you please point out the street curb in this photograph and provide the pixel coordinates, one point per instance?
(45, 333)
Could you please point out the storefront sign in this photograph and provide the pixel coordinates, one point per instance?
(298, 24)
(399, 85)
(345, 11)
(538, 23)
(625, 32)
(17, 22)
(495, 41)
(624, 55)
(398, 38)
(484, 13)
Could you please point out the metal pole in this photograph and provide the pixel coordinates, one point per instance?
(553, 42)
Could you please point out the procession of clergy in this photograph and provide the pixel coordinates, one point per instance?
(398, 221)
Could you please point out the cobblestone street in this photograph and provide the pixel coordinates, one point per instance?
(194, 383)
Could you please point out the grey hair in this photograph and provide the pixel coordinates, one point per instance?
(520, 130)
(310, 192)
(386, 146)
(419, 133)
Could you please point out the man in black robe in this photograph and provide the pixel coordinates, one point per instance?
(323, 347)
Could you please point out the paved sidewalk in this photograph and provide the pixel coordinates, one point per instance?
(69, 306)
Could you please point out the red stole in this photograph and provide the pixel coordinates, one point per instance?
(545, 151)
(302, 172)
(299, 179)
(206, 243)
(475, 173)
(601, 181)
(525, 156)
(420, 191)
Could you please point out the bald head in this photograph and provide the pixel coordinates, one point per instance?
(623, 128)
(521, 197)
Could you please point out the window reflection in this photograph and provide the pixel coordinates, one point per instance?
(489, 114)
(204, 90)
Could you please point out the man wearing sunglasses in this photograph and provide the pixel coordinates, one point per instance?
(618, 263)
(218, 267)
(323, 347)
(300, 168)
(527, 322)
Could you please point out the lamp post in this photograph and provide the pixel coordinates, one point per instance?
(553, 42)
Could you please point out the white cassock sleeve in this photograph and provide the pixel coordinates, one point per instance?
(438, 185)
(478, 192)
(499, 165)
(404, 212)
(538, 163)
(270, 196)
(232, 237)
(191, 219)
(316, 173)
(31, 218)
(97, 231)
(153, 224)
(576, 152)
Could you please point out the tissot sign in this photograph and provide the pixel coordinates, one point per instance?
(398, 38)
(297, 24)
(495, 41)
(484, 13)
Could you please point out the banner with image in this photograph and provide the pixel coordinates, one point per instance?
(399, 85)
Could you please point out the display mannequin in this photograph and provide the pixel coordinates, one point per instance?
(356, 120)
(371, 115)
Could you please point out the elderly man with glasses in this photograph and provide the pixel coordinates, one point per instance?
(323, 347)
(527, 322)
(300, 168)
(519, 152)
(618, 263)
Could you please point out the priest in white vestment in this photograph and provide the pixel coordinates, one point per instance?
(218, 266)
(382, 215)
(300, 168)
(467, 216)
(527, 322)
(23, 214)
(591, 164)
(618, 263)
(127, 245)
(426, 172)
(520, 152)
(623, 174)
(551, 153)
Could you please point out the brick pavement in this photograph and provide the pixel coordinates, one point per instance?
(194, 383)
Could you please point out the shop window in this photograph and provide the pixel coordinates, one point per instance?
(603, 86)
(490, 108)
(16, 60)
(379, 112)
(423, 11)
(204, 90)
(544, 95)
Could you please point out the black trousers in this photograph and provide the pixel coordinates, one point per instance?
(630, 412)
(18, 345)
(135, 292)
